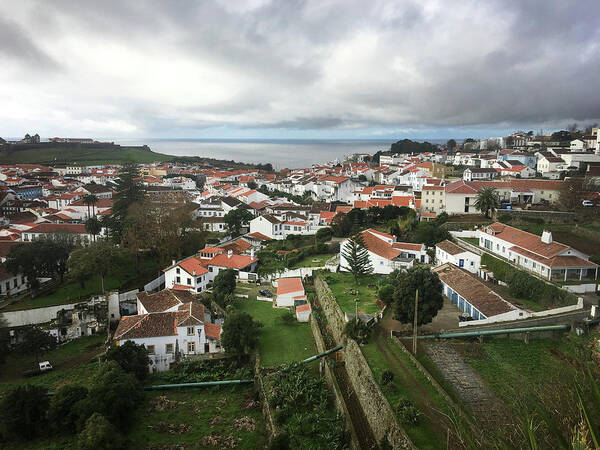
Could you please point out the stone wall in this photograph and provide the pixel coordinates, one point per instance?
(378, 412)
(521, 215)
(331, 309)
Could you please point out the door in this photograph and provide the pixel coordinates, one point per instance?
(206, 348)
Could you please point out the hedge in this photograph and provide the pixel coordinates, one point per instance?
(525, 286)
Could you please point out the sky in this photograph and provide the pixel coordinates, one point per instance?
(297, 68)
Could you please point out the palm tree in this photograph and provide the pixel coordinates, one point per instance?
(93, 226)
(487, 201)
(90, 199)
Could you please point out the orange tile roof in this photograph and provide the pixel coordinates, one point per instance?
(232, 262)
(287, 285)
(193, 266)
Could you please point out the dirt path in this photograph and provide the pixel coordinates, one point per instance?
(426, 404)
(487, 408)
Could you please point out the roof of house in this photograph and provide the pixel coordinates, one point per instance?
(379, 246)
(232, 262)
(528, 241)
(59, 228)
(473, 290)
(450, 247)
(193, 266)
(287, 285)
(302, 308)
(259, 236)
(212, 330)
(163, 300)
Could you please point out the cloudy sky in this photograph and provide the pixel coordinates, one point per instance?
(297, 68)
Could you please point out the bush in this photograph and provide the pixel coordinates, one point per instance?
(23, 412)
(65, 412)
(358, 330)
(407, 412)
(288, 317)
(387, 377)
(281, 441)
(386, 293)
(115, 394)
(132, 358)
(99, 433)
(505, 218)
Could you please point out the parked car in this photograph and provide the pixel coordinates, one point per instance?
(587, 203)
(266, 293)
(42, 367)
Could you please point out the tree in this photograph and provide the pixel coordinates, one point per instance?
(358, 330)
(4, 339)
(240, 334)
(132, 358)
(571, 193)
(223, 284)
(362, 177)
(23, 412)
(37, 342)
(357, 257)
(430, 295)
(252, 185)
(323, 235)
(100, 258)
(99, 433)
(90, 200)
(236, 218)
(93, 227)
(114, 393)
(386, 293)
(430, 233)
(128, 191)
(487, 201)
(451, 144)
(64, 412)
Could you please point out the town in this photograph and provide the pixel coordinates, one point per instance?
(419, 296)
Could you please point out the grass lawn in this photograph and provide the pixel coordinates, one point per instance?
(280, 342)
(342, 283)
(72, 362)
(313, 261)
(473, 241)
(70, 292)
(205, 411)
(251, 289)
(426, 434)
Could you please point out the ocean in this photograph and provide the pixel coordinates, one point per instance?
(281, 153)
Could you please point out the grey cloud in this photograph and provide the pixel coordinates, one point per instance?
(17, 45)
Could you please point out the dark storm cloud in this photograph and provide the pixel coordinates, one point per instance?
(17, 45)
(156, 66)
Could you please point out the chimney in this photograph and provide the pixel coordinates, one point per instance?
(173, 262)
(252, 253)
(229, 253)
(547, 237)
(194, 272)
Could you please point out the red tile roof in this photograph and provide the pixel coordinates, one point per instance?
(232, 262)
(287, 285)
(193, 266)
(212, 330)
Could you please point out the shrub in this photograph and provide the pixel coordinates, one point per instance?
(407, 412)
(505, 218)
(99, 433)
(115, 394)
(288, 317)
(387, 377)
(64, 414)
(281, 441)
(358, 330)
(23, 412)
(386, 293)
(132, 358)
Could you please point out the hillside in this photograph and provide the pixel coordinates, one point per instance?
(89, 154)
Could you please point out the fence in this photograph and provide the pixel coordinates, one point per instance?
(155, 284)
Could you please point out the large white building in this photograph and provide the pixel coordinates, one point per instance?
(448, 252)
(385, 254)
(169, 324)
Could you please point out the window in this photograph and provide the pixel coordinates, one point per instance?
(189, 281)
(177, 271)
(178, 279)
(151, 349)
(168, 348)
(191, 347)
(190, 331)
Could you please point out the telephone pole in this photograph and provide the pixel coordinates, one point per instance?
(415, 323)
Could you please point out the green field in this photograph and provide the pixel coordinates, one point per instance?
(312, 261)
(70, 292)
(342, 283)
(473, 241)
(72, 362)
(410, 384)
(82, 154)
(280, 342)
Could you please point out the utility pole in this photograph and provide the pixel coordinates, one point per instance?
(415, 323)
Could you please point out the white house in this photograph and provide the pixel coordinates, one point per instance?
(74, 231)
(166, 335)
(385, 254)
(303, 312)
(288, 290)
(267, 225)
(479, 174)
(537, 254)
(190, 273)
(473, 296)
(448, 252)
